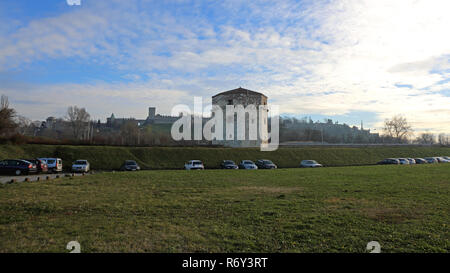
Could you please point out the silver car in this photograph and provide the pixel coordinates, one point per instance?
(403, 161)
(81, 166)
(247, 165)
(310, 164)
(194, 165)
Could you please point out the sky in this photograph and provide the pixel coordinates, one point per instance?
(348, 60)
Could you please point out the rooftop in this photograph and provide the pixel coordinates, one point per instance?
(240, 90)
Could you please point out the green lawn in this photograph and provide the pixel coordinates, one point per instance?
(339, 209)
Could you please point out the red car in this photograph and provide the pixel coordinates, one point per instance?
(40, 165)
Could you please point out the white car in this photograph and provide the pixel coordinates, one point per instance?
(310, 164)
(194, 165)
(81, 166)
(247, 165)
(442, 159)
(403, 161)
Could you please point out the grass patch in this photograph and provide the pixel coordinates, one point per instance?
(405, 208)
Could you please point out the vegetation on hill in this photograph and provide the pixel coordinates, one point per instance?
(111, 157)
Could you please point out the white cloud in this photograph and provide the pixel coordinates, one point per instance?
(313, 56)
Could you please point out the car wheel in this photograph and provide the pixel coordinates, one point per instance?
(18, 172)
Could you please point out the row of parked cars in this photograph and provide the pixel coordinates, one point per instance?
(246, 164)
(408, 161)
(40, 165)
(27, 166)
(52, 165)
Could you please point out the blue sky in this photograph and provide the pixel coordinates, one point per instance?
(347, 60)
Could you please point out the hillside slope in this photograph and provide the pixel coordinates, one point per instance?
(111, 157)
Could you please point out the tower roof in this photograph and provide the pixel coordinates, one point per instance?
(240, 90)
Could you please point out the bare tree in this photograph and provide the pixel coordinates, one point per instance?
(426, 138)
(397, 128)
(130, 133)
(78, 119)
(7, 116)
(444, 139)
(23, 124)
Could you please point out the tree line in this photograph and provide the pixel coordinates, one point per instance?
(81, 129)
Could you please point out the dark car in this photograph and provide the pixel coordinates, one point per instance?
(17, 167)
(40, 165)
(421, 161)
(389, 161)
(130, 165)
(228, 164)
(265, 164)
(431, 160)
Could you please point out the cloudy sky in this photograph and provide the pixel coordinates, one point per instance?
(348, 60)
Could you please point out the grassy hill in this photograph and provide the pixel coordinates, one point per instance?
(111, 157)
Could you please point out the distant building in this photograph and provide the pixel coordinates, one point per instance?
(244, 97)
(152, 118)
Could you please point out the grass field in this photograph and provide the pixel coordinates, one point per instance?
(338, 209)
(110, 157)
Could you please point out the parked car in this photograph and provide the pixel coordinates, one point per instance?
(403, 161)
(441, 159)
(310, 164)
(194, 165)
(53, 164)
(265, 164)
(40, 165)
(389, 161)
(17, 167)
(431, 160)
(130, 165)
(446, 157)
(81, 166)
(247, 165)
(228, 164)
(420, 161)
(411, 160)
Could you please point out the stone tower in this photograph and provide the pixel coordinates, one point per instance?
(244, 97)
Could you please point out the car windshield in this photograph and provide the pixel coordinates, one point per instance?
(130, 163)
(267, 162)
(80, 162)
(228, 162)
(51, 161)
(196, 163)
(311, 162)
(248, 162)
